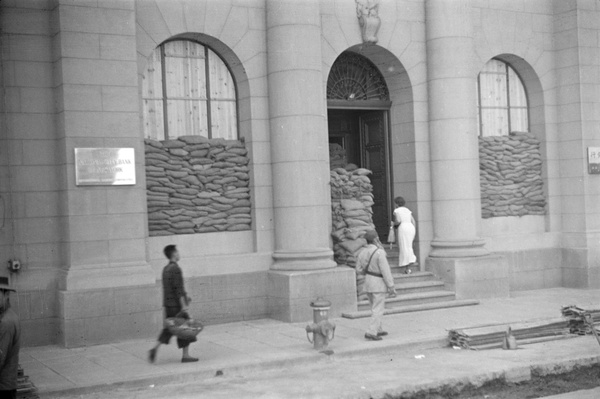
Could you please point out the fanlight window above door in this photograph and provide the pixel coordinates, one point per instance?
(355, 78)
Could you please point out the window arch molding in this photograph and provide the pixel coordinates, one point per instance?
(503, 104)
(228, 57)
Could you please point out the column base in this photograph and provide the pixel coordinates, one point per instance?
(290, 292)
(473, 277)
(458, 248)
(313, 259)
(581, 268)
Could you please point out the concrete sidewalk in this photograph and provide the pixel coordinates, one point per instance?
(268, 344)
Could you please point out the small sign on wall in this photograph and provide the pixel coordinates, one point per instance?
(594, 160)
(104, 166)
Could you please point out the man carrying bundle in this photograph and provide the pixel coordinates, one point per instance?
(175, 302)
(372, 261)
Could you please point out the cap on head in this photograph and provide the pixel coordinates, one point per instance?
(371, 236)
(5, 285)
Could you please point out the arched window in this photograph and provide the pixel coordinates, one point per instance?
(187, 89)
(501, 100)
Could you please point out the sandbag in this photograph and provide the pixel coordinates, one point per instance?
(353, 245)
(351, 204)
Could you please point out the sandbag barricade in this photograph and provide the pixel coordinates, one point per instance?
(352, 216)
(510, 170)
(197, 185)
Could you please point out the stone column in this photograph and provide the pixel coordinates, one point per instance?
(453, 129)
(453, 138)
(108, 290)
(299, 140)
(575, 27)
(303, 265)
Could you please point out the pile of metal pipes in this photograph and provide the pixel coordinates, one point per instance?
(493, 336)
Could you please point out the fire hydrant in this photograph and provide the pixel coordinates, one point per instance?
(322, 329)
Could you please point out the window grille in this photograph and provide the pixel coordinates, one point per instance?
(354, 77)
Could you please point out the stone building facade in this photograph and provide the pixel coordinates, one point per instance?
(73, 76)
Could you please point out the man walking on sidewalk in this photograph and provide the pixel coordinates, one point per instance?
(372, 261)
(10, 335)
(175, 302)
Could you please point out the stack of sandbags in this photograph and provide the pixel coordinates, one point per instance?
(351, 200)
(337, 156)
(197, 185)
(510, 169)
(351, 182)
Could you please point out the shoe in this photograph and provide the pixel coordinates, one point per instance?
(189, 359)
(152, 355)
(371, 337)
(382, 333)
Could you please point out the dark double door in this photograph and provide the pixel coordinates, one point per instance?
(364, 136)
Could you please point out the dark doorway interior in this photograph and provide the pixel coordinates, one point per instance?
(364, 136)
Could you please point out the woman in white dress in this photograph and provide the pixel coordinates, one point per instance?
(405, 222)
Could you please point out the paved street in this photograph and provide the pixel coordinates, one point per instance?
(373, 376)
(585, 394)
(252, 348)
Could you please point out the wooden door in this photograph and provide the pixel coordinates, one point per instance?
(374, 146)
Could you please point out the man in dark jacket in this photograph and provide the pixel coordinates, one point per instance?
(175, 302)
(10, 334)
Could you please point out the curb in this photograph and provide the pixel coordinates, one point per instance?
(377, 348)
(512, 375)
(518, 373)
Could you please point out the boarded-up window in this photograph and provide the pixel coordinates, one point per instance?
(188, 90)
(501, 100)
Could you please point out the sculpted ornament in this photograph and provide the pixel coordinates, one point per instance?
(367, 12)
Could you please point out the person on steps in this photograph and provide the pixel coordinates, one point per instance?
(175, 302)
(372, 261)
(405, 222)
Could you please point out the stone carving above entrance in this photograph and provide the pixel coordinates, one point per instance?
(367, 12)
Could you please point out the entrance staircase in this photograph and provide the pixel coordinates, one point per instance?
(417, 291)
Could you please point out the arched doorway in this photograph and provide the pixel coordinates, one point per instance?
(358, 105)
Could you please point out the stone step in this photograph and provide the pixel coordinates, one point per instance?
(413, 277)
(400, 270)
(403, 287)
(418, 298)
(412, 308)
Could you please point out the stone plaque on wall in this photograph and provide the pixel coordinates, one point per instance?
(104, 166)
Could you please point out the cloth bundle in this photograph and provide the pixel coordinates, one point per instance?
(352, 216)
(510, 170)
(197, 185)
(337, 156)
